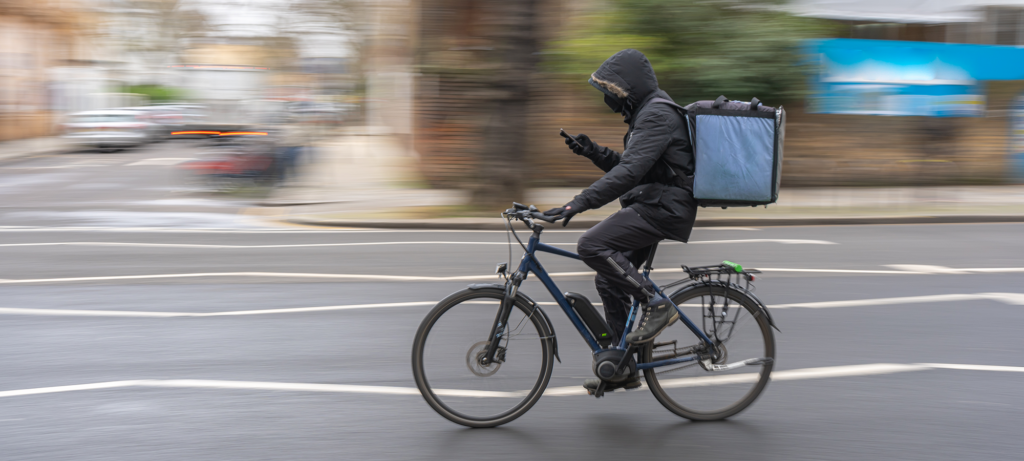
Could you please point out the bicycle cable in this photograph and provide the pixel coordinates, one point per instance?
(509, 228)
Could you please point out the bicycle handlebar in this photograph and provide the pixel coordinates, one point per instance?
(524, 213)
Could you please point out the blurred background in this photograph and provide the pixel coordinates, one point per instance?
(216, 214)
(466, 96)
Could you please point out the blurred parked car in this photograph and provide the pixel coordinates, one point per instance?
(183, 117)
(161, 120)
(107, 129)
(233, 161)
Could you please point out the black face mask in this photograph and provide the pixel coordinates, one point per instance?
(614, 103)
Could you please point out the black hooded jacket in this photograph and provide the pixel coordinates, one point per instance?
(657, 137)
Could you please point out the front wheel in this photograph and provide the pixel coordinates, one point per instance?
(743, 338)
(449, 351)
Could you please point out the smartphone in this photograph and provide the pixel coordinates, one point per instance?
(566, 135)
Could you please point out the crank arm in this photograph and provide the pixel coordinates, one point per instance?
(740, 364)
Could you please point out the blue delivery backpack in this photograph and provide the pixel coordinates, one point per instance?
(737, 150)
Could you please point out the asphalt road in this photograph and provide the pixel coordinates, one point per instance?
(109, 270)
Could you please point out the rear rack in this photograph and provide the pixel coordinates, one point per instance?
(720, 272)
(726, 268)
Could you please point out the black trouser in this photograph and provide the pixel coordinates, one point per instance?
(615, 248)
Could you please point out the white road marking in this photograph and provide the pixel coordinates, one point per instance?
(159, 161)
(782, 241)
(290, 230)
(77, 387)
(710, 380)
(1016, 299)
(355, 244)
(397, 278)
(157, 314)
(384, 278)
(1002, 297)
(837, 271)
(203, 246)
(264, 230)
(925, 269)
(785, 375)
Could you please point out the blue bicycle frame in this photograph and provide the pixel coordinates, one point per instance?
(530, 264)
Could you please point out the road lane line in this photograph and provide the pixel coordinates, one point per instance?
(872, 369)
(782, 241)
(397, 278)
(784, 375)
(258, 230)
(315, 309)
(278, 230)
(926, 269)
(884, 301)
(77, 387)
(393, 278)
(88, 313)
(1005, 298)
(953, 366)
(845, 371)
(839, 271)
(355, 244)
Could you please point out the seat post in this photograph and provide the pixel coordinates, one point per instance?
(649, 265)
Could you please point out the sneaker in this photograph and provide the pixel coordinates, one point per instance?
(658, 315)
(631, 382)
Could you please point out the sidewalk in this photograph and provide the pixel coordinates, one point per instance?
(24, 148)
(372, 181)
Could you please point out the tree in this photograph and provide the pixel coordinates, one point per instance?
(699, 49)
(481, 56)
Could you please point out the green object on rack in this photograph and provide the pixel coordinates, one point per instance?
(734, 266)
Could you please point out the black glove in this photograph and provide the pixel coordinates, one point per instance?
(584, 146)
(566, 212)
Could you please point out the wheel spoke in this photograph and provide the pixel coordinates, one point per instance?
(450, 366)
(722, 381)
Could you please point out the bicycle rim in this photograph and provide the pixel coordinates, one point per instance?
(450, 376)
(690, 391)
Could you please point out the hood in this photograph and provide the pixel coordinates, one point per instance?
(626, 75)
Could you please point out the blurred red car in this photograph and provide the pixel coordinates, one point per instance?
(234, 160)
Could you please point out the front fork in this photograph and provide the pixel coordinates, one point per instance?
(501, 319)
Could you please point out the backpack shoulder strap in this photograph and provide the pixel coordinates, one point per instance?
(666, 101)
(678, 178)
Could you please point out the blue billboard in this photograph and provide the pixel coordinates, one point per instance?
(881, 77)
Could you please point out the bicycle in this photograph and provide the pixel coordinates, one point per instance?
(506, 370)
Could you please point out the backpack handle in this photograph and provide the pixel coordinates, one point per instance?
(718, 102)
(754, 102)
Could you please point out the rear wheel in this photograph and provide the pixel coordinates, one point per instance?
(449, 351)
(742, 334)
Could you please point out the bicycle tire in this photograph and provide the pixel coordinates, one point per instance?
(529, 311)
(752, 307)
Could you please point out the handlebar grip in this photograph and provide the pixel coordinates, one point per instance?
(543, 217)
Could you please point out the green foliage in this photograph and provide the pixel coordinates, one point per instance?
(699, 49)
(156, 93)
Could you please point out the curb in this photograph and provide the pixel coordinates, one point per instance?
(496, 224)
(26, 155)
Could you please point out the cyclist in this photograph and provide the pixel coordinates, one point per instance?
(653, 180)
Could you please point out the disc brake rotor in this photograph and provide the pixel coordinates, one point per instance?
(475, 356)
